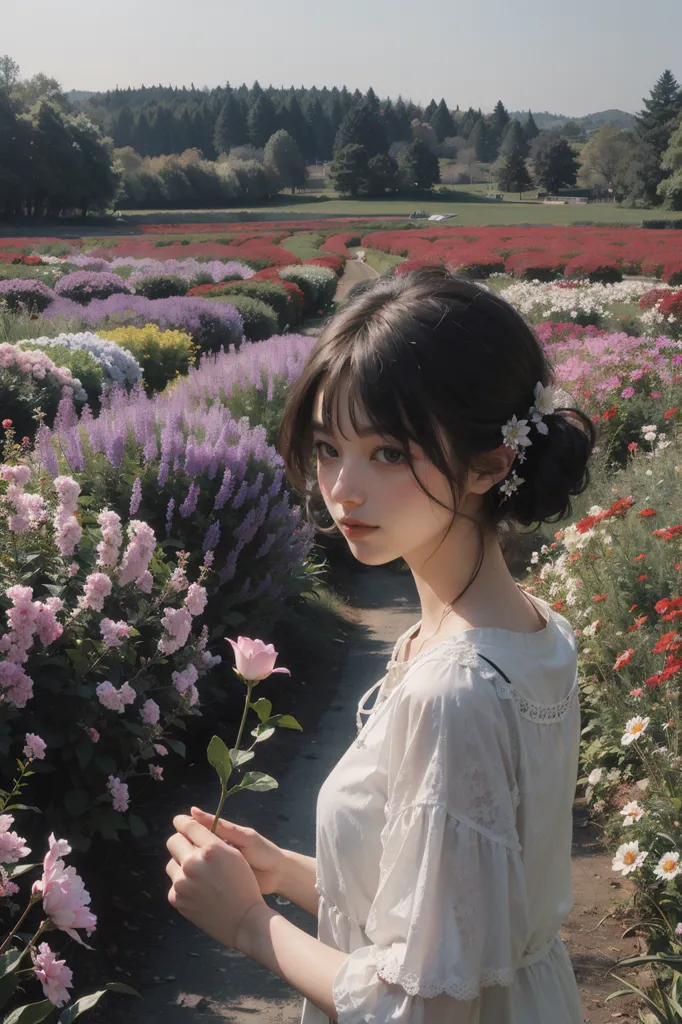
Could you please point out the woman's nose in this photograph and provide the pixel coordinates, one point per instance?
(347, 489)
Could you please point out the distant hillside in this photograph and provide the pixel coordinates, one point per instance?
(589, 123)
(79, 95)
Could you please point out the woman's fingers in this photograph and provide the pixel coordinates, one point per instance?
(227, 830)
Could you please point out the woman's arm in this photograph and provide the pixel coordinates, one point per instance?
(298, 883)
(302, 961)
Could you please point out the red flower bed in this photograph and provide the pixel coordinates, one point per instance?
(671, 305)
(15, 257)
(652, 298)
(601, 253)
(338, 243)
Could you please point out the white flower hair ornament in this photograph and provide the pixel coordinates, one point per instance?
(515, 431)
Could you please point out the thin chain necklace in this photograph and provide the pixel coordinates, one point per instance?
(448, 608)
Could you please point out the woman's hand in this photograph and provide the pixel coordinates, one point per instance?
(212, 884)
(265, 858)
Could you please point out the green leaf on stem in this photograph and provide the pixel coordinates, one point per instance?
(258, 781)
(262, 707)
(9, 960)
(289, 722)
(262, 731)
(8, 986)
(240, 756)
(19, 869)
(87, 1002)
(137, 826)
(219, 756)
(177, 746)
(32, 1013)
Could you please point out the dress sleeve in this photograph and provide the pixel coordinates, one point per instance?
(449, 915)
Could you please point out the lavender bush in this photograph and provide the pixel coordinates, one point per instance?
(84, 286)
(207, 482)
(20, 295)
(191, 269)
(211, 324)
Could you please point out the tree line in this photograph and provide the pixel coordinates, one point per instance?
(163, 147)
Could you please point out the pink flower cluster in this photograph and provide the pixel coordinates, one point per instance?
(27, 618)
(34, 746)
(112, 537)
(29, 509)
(97, 588)
(138, 554)
(55, 977)
(177, 622)
(113, 633)
(65, 899)
(12, 846)
(184, 682)
(7, 886)
(68, 531)
(36, 364)
(150, 712)
(119, 793)
(113, 699)
(156, 772)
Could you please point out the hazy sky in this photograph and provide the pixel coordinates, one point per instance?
(571, 58)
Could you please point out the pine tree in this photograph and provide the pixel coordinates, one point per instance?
(467, 123)
(657, 121)
(321, 131)
(401, 124)
(530, 128)
(419, 166)
(382, 174)
(349, 170)
(514, 142)
(230, 129)
(430, 111)
(122, 126)
(514, 175)
(498, 122)
(481, 141)
(297, 125)
(262, 121)
(556, 166)
(362, 126)
(670, 188)
(441, 121)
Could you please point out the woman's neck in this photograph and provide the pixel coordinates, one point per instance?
(492, 599)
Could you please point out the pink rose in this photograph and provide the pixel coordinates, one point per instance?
(254, 660)
(53, 974)
(65, 898)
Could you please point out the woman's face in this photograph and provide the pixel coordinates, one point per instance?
(366, 479)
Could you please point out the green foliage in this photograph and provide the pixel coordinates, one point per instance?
(161, 286)
(670, 189)
(514, 175)
(283, 159)
(362, 126)
(419, 166)
(318, 285)
(349, 170)
(230, 128)
(556, 166)
(269, 292)
(260, 319)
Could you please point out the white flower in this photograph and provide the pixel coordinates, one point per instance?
(648, 427)
(642, 784)
(595, 776)
(545, 400)
(613, 775)
(650, 435)
(632, 812)
(511, 484)
(628, 858)
(515, 432)
(668, 866)
(544, 549)
(634, 728)
(534, 558)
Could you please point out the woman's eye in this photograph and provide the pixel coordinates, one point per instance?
(323, 450)
(391, 456)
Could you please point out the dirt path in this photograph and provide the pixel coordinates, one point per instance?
(354, 272)
(191, 978)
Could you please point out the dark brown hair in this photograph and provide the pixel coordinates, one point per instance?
(440, 361)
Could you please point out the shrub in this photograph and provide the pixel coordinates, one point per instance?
(211, 325)
(47, 274)
(161, 354)
(672, 273)
(532, 266)
(80, 362)
(119, 367)
(482, 268)
(159, 286)
(86, 285)
(600, 271)
(318, 285)
(31, 385)
(280, 295)
(115, 633)
(32, 296)
(260, 319)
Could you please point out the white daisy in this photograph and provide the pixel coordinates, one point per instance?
(515, 432)
(668, 866)
(634, 728)
(632, 812)
(628, 858)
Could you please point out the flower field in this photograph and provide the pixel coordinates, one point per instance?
(144, 513)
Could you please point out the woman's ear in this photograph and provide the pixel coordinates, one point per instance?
(495, 468)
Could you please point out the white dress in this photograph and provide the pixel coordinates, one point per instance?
(444, 836)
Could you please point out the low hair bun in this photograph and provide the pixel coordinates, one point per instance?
(555, 469)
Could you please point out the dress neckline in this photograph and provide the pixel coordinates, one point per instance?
(539, 638)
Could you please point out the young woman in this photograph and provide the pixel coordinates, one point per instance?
(443, 843)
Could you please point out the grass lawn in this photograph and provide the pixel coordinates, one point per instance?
(379, 261)
(509, 212)
(305, 245)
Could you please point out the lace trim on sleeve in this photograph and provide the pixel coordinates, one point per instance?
(390, 971)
